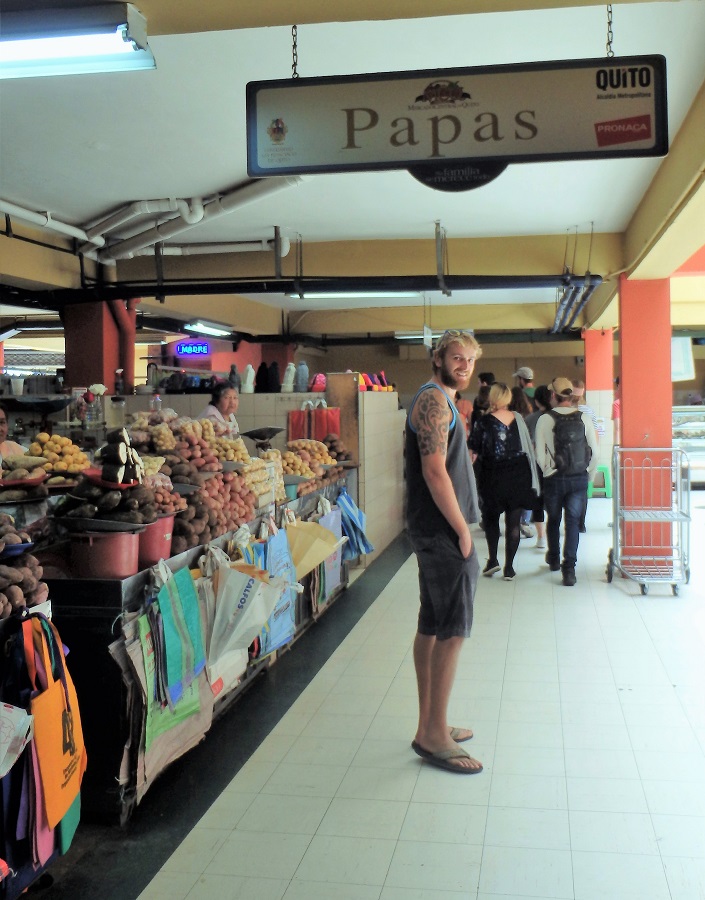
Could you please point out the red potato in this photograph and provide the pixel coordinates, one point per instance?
(198, 462)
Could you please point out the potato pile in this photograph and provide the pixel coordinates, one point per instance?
(59, 454)
(315, 453)
(168, 502)
(275, 458)
(336, 448)
(163, 438)
(223, 503)
(292, 464)
(257, 478)
(231, 450)
(20, 576)
(152, 464)
(133, 506)
(16, 470)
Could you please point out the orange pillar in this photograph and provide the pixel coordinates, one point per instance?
(647, 395)
(598, 360)
(92, 345)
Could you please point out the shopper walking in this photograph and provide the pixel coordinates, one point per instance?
(542, 399)
(507, 476)
(441, 503)
(525, 377)
(566, 451)
(520, 404)
(578, 402)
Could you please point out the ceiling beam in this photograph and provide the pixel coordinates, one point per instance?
(168, 17)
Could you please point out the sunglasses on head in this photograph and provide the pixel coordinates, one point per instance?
(455, 332)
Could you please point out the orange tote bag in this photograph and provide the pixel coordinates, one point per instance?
(58, 735)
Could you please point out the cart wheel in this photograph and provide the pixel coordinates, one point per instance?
(644, 589)
(674, 588)
(687, 576)
(608, 573)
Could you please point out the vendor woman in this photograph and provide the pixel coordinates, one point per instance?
(8, 448)
(222, 408)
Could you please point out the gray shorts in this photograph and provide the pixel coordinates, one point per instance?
(447, 584)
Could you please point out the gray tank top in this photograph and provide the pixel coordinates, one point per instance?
(423, 517)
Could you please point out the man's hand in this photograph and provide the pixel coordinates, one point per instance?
(465, 541)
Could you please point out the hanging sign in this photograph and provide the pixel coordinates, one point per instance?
(457, 176)
(192, 348)
(530, 112)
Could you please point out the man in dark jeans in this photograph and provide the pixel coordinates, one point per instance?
(563, 492)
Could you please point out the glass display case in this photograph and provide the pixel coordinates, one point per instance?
(689, 435)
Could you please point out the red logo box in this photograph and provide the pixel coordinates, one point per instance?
(623, 131)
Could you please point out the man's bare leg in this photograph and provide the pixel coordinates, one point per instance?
(436, 663)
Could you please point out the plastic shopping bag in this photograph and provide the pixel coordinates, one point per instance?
(245, 599)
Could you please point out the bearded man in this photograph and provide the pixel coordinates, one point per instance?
(441, 504)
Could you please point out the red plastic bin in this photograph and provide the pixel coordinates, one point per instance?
(104, 554)
(155, 542)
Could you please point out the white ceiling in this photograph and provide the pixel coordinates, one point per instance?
(82, 146)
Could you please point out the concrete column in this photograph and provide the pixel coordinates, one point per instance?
(645, 476)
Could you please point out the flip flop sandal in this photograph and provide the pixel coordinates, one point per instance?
(454, 732)
(444, 760)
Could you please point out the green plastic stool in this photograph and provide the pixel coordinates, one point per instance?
(606, 488)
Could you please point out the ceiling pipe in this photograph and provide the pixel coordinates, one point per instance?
(55, 299)
(213, 209)
(44, 220)
(232, 247)
(564, 305)
(588, 291)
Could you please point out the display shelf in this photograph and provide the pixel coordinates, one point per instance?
(688, 434)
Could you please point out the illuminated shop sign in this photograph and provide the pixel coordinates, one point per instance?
(193, 348)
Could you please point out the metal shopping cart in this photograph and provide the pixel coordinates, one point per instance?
(651, 516)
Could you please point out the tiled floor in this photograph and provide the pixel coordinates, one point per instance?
(589, 716)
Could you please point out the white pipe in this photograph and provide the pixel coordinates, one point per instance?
(214, 209)
(44, 220)
(131, 211)
(232, 247)
(191, 214)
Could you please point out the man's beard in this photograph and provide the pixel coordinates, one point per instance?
(449, 380)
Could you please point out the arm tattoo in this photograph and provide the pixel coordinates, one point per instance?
(433, 419)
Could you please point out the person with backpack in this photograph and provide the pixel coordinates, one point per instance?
(566, 451)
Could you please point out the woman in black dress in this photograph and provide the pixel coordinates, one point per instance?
(505, 466)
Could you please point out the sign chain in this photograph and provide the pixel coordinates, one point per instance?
(610, 34)
(294, 51)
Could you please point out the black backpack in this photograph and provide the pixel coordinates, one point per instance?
(572, 452)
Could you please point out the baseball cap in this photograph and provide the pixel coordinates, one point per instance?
(562, 387)
(524, 372)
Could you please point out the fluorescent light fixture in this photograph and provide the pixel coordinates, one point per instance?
(414, 335)
(7, 333)
(77, 41)
(208, 328)
(354, 295)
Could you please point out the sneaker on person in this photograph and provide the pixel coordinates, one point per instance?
(540, 543)
(491, 567)
(509, 573)
(569, 578)
(526, 531)
(553, 562)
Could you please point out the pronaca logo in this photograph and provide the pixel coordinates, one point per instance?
(623, 131)
(277, 131)
(443, 91)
